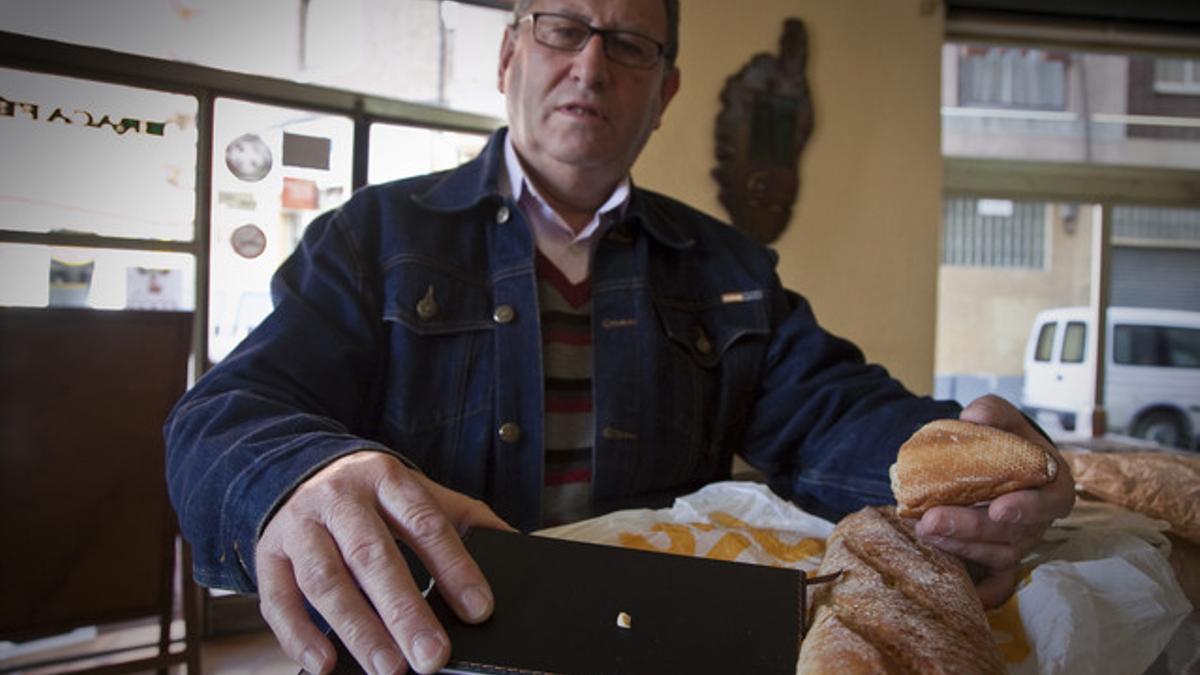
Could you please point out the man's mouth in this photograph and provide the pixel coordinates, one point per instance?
(581, 110)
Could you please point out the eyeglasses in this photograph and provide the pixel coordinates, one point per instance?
(568, 34)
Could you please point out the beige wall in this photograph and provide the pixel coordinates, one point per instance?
(986, 312)
(862, 245)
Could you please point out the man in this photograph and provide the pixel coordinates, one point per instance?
(441, 342)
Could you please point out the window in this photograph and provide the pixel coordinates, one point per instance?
(1074, 342)
(1045, 342)
(1012, 78)
(101, 211)
(274, 169)
(993, 233)
(95, 158)
(1177, 76)
(98, 278)
(400, 151)
(1106, 155)
(435, 52)
(1183, 347)
(103, 163)
(1099, 107)
(1162, 346)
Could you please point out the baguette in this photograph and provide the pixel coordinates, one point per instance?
(951, 462)
(899, 606)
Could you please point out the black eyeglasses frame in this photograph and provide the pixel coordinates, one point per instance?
(604, 34)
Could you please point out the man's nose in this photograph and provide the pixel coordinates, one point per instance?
(590, 65)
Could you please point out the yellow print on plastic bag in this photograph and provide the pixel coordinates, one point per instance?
(682, 540)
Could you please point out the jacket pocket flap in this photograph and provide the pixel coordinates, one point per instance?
(706, 329)
(432, 300)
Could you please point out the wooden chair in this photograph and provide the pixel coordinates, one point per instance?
(87, 535)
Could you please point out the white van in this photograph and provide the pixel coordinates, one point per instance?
(1152, 376)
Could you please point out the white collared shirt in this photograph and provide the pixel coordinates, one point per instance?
(571, 253)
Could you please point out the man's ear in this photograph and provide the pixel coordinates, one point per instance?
(670, 86)
(507, 45)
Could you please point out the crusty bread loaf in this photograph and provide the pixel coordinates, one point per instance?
(1162, 485)
(899, 606)
(951, 462)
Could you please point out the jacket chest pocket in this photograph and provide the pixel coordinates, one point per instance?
(439, 371)
(710, 358)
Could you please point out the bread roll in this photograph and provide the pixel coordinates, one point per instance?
(960, 463)
(899, 606)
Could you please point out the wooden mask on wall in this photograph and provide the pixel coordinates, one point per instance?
(765, 120)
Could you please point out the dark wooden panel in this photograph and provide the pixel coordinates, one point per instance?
(86, 530)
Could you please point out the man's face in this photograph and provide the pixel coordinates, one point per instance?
(579, 110)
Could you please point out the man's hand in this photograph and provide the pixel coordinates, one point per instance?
(333, 542)
(999, 536)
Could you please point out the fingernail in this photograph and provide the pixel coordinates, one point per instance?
(313, 661)
(385, 661)
(1010, 515)
(944, 527)
(476, 603)
(427, 651)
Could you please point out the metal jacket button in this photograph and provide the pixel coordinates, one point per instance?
(502, 214)
(510, 432)
(427, 307)
(619, 236)
(703, 344)
(504, 314)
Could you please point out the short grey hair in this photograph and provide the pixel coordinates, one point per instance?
(670, 49)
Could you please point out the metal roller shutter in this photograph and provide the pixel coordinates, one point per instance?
(1167, 278)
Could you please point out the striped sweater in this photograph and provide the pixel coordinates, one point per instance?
(566, 312)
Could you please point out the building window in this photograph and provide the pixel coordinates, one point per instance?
(1177, 76)
(1156, 226)
(993, 233)
(1002, 77)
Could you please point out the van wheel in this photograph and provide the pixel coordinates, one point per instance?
(1163, 428)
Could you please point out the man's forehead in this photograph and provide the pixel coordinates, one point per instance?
(646, 16)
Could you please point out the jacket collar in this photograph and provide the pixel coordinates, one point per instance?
(478, 180)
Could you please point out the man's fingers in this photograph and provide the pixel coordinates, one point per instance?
(992, 556)
(993, 411)
(463, 511)
(995, 588)
(334, 543)
(367, 545)
(968, 524)
(322, 576)
(282, 606)
(1033, 507)
(419, 520)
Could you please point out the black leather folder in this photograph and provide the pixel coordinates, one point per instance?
(558, 603)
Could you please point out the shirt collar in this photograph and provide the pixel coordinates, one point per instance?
(523, 192)
(482, 178)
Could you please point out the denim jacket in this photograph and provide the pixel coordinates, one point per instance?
(407, 322)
